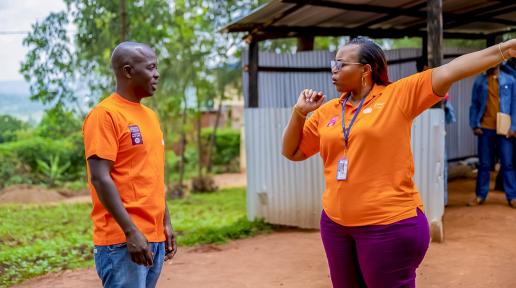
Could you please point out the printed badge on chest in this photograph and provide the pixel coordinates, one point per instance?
(136, 135)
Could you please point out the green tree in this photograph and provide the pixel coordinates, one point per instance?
(49, 67)
(58, 123)
(184, 34)
(9, 126)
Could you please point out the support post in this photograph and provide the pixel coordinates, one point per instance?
(435, 33)
(253, 74)
(305, 43)
(435, 58)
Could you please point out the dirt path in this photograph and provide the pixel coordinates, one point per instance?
(479, 252)
(40, 195)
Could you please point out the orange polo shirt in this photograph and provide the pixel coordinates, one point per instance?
(128, 134)
(379, 188)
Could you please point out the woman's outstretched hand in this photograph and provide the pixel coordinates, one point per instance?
(511, 48)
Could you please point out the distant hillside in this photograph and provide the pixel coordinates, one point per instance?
(15, 101)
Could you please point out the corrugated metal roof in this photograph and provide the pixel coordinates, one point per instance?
(394, 18)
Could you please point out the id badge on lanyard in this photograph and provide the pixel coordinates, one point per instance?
(343, 163)
(342, 169)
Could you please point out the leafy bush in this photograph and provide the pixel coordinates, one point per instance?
(12, 170)
(226, 153)
(9, 126)
(58, 123)
(190, 163)
(53, 170)
(22, 158)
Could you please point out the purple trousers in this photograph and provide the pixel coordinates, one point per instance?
(377, 256)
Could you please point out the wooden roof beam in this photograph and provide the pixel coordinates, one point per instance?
(362, 7)
(388, 17)
(275, 32)
(454, 20)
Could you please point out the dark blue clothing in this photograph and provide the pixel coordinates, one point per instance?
(116, 269)
(487, 142)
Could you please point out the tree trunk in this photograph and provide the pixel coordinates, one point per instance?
(123, 21)
(213, 136)
(167, 166)
(183, 142)
(199, 138)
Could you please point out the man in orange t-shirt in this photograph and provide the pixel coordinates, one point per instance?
(124, 149)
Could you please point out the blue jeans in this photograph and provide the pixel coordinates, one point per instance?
(116, 269)
(486, 149)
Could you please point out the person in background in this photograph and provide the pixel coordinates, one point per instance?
(492, 93)
(508, 67)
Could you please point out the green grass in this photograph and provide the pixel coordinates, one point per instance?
(35, 240)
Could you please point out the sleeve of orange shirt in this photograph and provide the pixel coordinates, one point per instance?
(310, 139)
(100, 137)
(415, 94)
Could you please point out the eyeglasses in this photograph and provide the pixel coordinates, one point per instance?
(337, 64)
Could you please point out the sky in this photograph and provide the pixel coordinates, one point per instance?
(19, 15)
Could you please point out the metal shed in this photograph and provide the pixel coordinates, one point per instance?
(288, 193)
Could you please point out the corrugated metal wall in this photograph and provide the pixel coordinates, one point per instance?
(428, 151)
(279, 190)
(289, 193)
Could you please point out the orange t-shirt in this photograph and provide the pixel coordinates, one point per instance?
(128, 134)
(379, 188)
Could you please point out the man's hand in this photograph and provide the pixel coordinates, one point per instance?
(477, 131)
(138, 248)
(170, 242)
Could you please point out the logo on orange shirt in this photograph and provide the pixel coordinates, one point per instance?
(332, 121)
(136, 136)
(378, 105)
(368, 110)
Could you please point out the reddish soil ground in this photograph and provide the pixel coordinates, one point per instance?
(479, 251)
(41, 195)
(29, 194)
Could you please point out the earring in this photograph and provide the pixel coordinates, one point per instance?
(363, 81)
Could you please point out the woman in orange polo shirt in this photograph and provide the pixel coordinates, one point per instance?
(372, 225)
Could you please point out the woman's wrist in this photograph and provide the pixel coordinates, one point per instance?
(299, 112)
(501, 50)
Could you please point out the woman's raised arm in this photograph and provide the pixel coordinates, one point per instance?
(470, 64)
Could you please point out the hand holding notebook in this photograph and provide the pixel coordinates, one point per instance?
(503, 123)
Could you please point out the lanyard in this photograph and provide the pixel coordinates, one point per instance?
(348, 130)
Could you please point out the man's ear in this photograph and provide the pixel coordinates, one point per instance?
(128, 71)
